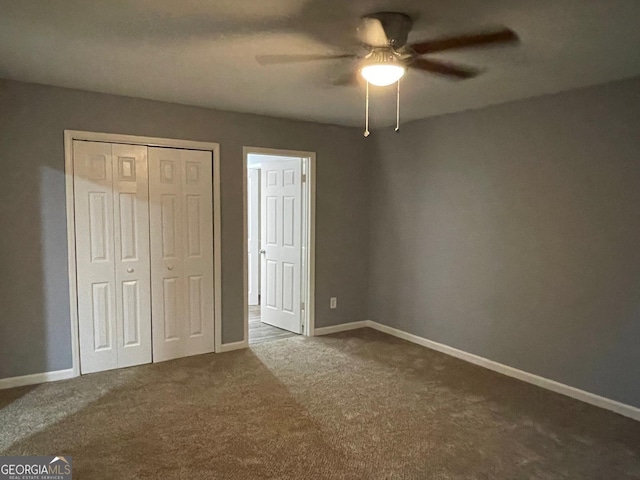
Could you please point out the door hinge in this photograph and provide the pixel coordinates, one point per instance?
(304, 177)
(302, 306)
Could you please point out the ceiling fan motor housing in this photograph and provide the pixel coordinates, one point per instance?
(384, 55)
(396, 26)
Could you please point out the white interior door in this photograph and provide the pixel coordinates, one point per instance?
(180, 192)
(112, 245)
(253, 236)
(280, 206)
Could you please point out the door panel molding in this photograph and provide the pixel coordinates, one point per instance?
(126, 171)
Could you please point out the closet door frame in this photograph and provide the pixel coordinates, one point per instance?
(214, 148)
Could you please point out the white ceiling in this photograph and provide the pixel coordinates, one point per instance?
(201, 52)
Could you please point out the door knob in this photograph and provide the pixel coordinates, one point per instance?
(262, 252)
(170, 267)
(130, 270)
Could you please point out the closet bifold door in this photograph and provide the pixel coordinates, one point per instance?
(181, 219)
(133, 270)
(112, 250)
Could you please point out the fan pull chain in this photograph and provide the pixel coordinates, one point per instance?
(398, 107)
(366, 114)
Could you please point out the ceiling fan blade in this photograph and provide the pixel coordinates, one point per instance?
(465, 41)
(371, 32)
(449, 70)
(283, 59)
(349, 79)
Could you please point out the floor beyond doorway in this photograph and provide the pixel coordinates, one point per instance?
(355, 405)
(261, 332)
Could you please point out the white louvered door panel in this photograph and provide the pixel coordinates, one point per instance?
(131, 228)
(280, 204)
(180, 187)
(93, 188)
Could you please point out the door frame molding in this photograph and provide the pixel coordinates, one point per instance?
(214, 148)
(309, 280)
(257, 167)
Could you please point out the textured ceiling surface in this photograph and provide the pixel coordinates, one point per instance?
(202, 52)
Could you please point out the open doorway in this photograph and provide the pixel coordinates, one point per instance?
(279, 239)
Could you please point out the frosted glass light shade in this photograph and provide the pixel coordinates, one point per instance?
(382, 74)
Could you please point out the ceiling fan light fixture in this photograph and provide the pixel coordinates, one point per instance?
(382, 67)
(382, 74)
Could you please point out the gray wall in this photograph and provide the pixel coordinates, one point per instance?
(510, 232)
(513, 232)
(34, 301)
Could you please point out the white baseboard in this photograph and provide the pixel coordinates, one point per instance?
(341, 328)
(54, 376)
(36, 378)
(229, 347)
(587, 397)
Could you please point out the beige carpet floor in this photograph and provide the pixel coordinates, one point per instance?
(356, 405)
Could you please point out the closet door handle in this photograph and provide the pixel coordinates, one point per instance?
(170, 267)
(130, 270)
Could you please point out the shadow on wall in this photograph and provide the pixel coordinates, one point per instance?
(55, 314)
(28, 220)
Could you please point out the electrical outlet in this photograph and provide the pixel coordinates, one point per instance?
(333, 303)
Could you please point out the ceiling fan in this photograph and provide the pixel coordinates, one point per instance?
(387, 55)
